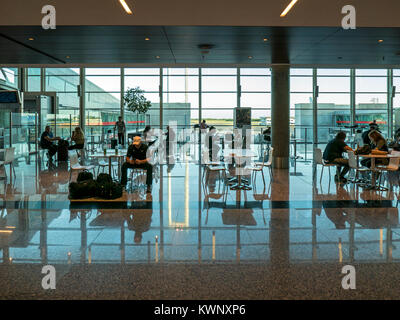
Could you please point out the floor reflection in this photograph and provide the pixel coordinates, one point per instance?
(196, 217)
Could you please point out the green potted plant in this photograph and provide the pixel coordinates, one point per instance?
(136, 102)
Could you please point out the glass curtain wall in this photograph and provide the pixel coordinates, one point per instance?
(9, 77)
(396, 100)
(371, 98)
(219, 97)
(148, 80)
(334, 112)
(181, 97)
(64, 82)
(214, 93)
(301, 112)
(255, 93)
(102, 102)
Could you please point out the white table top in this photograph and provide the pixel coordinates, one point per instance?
(110, 154)
(240, 153)
(379, 155)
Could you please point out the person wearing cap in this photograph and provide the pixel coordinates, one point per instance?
(136, 157)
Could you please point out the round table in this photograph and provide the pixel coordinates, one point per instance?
(240, 171)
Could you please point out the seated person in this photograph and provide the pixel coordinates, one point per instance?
(79, 138)
(136, 158)
(46, 142)
(373, 126)
(334, 154)
(267, 134)
(379, 143)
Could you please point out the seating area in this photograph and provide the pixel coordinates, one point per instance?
(200, 150)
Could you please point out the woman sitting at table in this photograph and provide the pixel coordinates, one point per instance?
(380, 144)
(79, 138)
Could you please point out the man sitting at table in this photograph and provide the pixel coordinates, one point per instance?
(333, 154)
(136, 158)
(46, 142)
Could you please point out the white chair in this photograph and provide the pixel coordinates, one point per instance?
(211, 166)
(257, 167)
(391, 167)
(8, 160)
(320, 161)
(353, 164)
(76, 166)
(267, 164)
(139, 172)
(206, 158)
(103, 164)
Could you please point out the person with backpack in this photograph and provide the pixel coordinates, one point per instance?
(136, 157)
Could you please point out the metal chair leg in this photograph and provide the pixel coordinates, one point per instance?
(322, 171)
(262, 174)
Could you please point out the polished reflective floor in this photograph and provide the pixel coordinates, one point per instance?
(194, 218)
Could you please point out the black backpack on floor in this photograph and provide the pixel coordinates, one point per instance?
(84, 175)
(109, 190)
(104, 178)
(82, 190)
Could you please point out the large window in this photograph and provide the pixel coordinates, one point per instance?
(334, 99)
(181, 99)
(33, 79)
(213, 94)
(147, 79)
(64, 81)
(371, 97)
(396, 100)
(255, 85)
(102, 100)
(301, 111)
(9, 76)
(219, 96)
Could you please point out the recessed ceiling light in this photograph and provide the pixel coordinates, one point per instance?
(157, 57)
(250, 57)
(146, 39)
(265, 39)
(380, 40)
(67, 57)
(31, 39)
(288, 8)
(125, 6)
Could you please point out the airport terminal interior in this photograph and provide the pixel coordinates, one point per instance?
(243, 202)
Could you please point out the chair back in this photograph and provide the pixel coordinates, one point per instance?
(73, 159)
(206, 156)
(352, 160)
(318, 156)
(394, 162)
(270, 155)
(9, 155)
